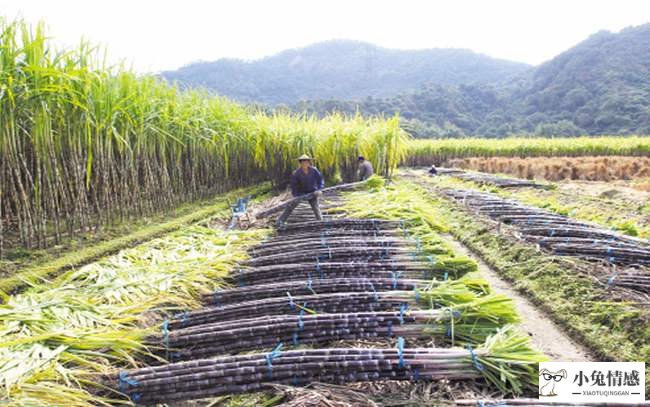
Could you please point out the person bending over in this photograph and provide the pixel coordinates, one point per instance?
(365, 169)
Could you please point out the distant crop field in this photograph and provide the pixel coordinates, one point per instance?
(437, 151)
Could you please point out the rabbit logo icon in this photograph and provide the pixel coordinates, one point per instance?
(551, 378)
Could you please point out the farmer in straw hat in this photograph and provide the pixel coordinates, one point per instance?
(304, 180)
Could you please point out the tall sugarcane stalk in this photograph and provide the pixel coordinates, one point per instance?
(83, 145)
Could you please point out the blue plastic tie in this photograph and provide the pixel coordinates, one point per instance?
(301, 323)
(374, 292)
(400, 352)
(165, 331)
(309, 282)
(125, 381)
(402, 309)
(294, 338)
(610, 280)
(390, 328)
(396, 276)
(272, 355)
(416, 374)
(292, 305)
(552, 232)
(185, 317)
(446, 276)
(475, 360)
(174, 356)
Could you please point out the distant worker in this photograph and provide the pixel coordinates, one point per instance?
(365, 168)
(433, 170)
(306, 179)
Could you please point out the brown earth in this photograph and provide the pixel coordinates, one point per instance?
(562, 168)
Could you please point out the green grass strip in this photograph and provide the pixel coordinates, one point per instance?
(33, 275)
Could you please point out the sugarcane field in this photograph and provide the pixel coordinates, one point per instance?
(277, 229)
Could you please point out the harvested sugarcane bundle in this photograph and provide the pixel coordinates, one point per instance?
(364, 242)
(335, 235)
(341, 223)
(310, 286)
(324, 286)
(637, 280)
(335, 254)
(629, 255)
(429, 268)
(494, 180)
(560, 234)
(436, 294)
(468, 322)
(505, 359)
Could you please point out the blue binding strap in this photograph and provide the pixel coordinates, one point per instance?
(416, 374)
(610, 280)
(292, 305)
(400, 352)
(125, 382)
(402, 309)
(374, 292)
(272, 355)
(475, 360)
(165, 333)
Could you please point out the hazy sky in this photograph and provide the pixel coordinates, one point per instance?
(165, 34)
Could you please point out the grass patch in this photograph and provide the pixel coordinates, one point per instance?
(36, 274)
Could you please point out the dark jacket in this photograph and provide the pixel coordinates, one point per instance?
(302, 183)
(365, 170)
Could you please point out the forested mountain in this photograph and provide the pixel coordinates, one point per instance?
(342, 69)
(600, 86)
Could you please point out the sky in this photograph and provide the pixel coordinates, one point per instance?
(151, 36)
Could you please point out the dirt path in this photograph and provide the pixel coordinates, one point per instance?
(545, 334)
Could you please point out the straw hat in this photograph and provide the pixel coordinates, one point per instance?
(304, 157)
